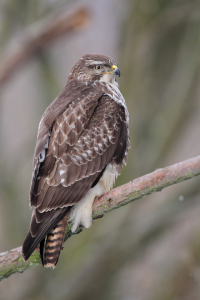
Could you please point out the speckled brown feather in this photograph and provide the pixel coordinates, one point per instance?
(81, 132)
(79, 165)
(98, 141)
(74, 90)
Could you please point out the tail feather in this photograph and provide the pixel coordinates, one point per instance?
(54, 242)
(31, 242)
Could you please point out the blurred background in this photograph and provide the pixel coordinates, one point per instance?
(149, 249)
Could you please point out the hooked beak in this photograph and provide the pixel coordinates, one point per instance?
(116, 70)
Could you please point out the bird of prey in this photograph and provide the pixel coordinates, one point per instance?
(82, 144)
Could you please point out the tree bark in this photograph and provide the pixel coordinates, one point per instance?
(12, 262)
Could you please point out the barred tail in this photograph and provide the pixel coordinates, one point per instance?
(54, 241)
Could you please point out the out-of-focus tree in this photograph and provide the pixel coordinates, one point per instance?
(148, 250)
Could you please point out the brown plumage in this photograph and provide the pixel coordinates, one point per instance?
(81, 146)
(54, 241)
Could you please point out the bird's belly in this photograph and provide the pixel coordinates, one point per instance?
(81, 213)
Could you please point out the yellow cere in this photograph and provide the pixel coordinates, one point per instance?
(114, 67)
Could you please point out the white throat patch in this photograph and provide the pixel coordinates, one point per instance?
(112, 90)
(109, 78)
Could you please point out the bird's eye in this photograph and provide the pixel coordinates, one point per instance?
(98, 67)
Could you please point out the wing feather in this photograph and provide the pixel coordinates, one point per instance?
(77, 155)
(59, 110)
(69, 181)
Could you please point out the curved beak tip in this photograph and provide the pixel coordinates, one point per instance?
(117, 72)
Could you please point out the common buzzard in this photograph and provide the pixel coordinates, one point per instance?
(82, 144)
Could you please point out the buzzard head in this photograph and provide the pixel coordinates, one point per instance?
(95, 67)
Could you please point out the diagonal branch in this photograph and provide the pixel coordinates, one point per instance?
(39, 36)
(11, 261)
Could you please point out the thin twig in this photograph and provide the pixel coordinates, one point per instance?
(11, 261)
(39, 37)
